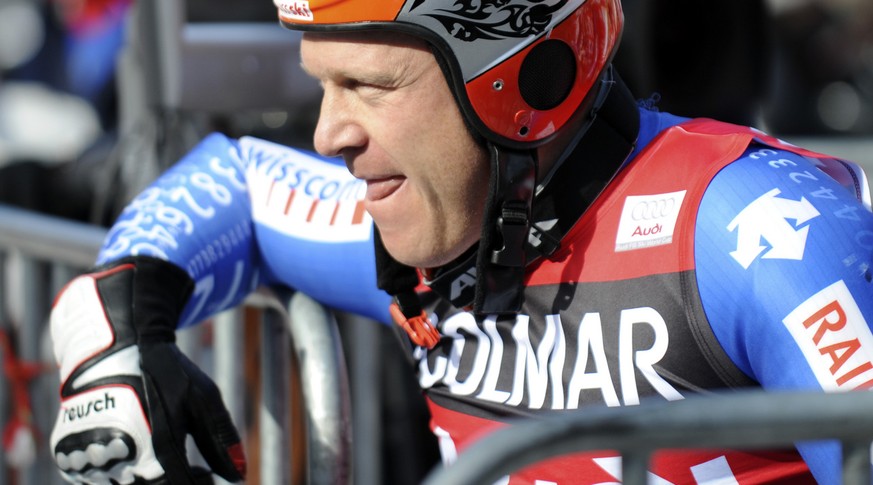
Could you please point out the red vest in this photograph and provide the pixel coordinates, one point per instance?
(613, 317)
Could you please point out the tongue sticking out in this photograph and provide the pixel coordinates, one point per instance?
(378, 189)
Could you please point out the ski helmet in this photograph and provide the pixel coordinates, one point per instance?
(519, 69)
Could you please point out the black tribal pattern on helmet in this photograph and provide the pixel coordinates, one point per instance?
(472, 20)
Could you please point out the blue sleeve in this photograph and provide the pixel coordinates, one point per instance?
(236, 214)
(783, 256)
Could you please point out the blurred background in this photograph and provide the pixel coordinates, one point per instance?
(799, 69)
(97, 97)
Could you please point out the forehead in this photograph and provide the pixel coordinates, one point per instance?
(359, 50)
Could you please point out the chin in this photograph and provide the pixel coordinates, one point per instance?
(423, 244)
(409, 250)
(414, 257)
(413, 252)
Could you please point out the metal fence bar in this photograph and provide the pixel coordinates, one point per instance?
(275, 412)
(49, 238)
(33, 280)
(325, 390)
(229, 373)
(743, 420)
(635, 467)
(856, 462)
(366, 379)
(5, 394)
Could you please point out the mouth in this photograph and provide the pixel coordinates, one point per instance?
(381, 188)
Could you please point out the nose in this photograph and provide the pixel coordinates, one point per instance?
(337, 129)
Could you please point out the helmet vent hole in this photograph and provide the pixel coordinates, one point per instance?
(523, 131)
(547, 74)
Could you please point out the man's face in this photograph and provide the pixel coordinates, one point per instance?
(387, 110)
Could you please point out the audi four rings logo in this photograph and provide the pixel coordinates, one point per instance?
(649, 210)
(648, 220)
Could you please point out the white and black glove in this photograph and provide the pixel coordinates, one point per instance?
(129, 397)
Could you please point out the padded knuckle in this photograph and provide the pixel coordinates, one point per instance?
(99, 448)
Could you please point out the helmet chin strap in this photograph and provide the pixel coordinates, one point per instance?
(501, 259)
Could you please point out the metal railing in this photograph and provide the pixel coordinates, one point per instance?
(738, 420)
(39, 254)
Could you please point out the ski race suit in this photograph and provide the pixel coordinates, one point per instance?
(717, 257)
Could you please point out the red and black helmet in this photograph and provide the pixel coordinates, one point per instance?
(520, 69)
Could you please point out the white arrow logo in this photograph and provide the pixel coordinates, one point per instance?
(767, 218)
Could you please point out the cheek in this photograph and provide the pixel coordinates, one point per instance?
(468, 178)
(445, 155)
(451, 169)
(469, 166)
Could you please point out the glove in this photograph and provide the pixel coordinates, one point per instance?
(129, 397)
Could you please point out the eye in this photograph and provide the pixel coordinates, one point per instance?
(368, 92)
(348, 83)
(361, 85)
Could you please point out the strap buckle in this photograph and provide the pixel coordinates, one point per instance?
(419, 328)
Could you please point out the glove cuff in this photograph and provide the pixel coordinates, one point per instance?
(133, 301)
(159, 293)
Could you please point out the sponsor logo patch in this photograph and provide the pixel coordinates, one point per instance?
(648, 220)
(305, 197)
(565, 365)
(296, 11)
(766, 221)
(834, 337)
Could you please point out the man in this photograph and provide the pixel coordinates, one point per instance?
(571, 248)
